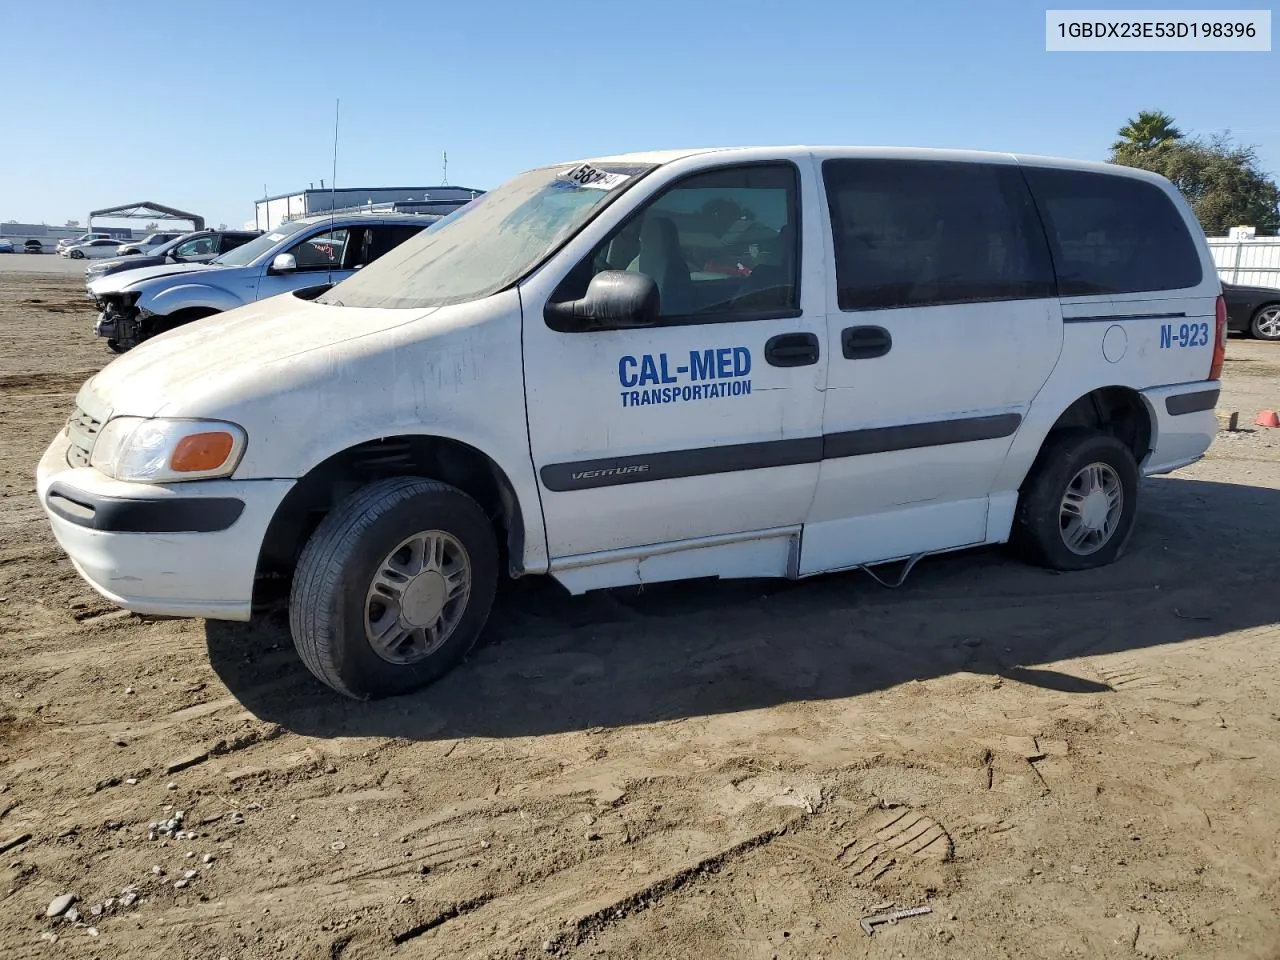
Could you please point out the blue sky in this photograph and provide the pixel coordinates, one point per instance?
(200, 105)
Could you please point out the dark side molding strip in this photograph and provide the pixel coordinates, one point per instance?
(1115, 317)
(121, 515)
(1195, 402)
(703, 461)
(857, 443)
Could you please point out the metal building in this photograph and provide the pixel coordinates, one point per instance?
(270, 212)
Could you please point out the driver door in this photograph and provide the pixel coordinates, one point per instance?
(709, 424)
(320, 258)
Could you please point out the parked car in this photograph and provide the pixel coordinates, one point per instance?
(1253, 310)
(147, 244)
(94, 249)
(6, 246)
(83, 238)
(194, 248)
(923, 351)
(33, 246)
(138, 304)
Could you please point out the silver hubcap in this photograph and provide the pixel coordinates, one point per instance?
(417, 597)
(1091, 509)
(1269, 322)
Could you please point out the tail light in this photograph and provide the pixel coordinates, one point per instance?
(1219, 341)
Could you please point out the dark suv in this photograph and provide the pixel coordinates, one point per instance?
(198, 247)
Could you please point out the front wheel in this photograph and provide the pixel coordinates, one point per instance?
(1079, 503)
(1266, 323)
(393, 588)
(77, 255)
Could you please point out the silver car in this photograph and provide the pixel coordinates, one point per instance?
(313, 252)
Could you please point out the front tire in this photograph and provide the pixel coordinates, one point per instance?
(1266, 323)
(76, 255)
(393, 588)
(1079, 503)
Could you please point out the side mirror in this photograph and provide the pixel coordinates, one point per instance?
(615, 300)
(284, 263)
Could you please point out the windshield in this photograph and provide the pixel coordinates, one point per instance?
(244, 255)
(488, 244)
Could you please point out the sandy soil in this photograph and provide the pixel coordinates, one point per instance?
(1057, 766)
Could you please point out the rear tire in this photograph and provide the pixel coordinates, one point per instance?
(1079, 502)
(393, 588)
(1265, 324)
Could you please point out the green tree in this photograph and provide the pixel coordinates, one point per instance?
(1220, 178)
(1148, 129)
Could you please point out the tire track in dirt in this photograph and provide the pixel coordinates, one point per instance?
(570, 905)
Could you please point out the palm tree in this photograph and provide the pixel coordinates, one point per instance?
(1148, 129)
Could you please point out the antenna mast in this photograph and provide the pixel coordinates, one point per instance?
(333, 184)
(444, 170)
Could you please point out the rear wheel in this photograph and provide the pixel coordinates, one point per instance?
(1266, 323)
(1079, 503)
(394, 587)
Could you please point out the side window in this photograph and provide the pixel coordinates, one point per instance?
(381, 239)
(199, 247)
(721, 245)
(229, 241)
(322, 251)
(913, 233)
(1113, 234)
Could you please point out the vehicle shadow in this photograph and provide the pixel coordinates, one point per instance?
(1200, 565)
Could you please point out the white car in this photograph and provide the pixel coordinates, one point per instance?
(83, 238)
(92, 250)
(147, 244)
(753, 362)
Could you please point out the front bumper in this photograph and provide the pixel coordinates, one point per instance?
(182, 549)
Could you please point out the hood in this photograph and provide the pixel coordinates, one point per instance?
(199, 368)
(124, 263)
(118, 281)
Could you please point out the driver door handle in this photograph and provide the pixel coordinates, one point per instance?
(792, 350)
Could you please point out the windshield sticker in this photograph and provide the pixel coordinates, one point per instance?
(585, 175)
(707, 375)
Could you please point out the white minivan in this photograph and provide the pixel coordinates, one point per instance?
(759, 362)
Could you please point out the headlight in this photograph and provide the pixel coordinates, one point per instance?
(143, 450)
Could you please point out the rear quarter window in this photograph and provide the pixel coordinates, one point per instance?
(1113, 234)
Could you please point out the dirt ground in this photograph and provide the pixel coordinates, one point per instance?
(1057, 766)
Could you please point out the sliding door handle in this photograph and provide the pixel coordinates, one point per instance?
(863, 343)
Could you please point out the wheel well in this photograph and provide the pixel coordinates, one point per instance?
(169, 321)
(436, 458)
(1118, 411)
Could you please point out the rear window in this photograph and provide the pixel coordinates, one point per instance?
(1112, 234)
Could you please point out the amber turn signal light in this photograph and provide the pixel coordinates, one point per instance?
(202, 451)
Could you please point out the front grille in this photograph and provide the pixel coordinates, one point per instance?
(82, 430)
